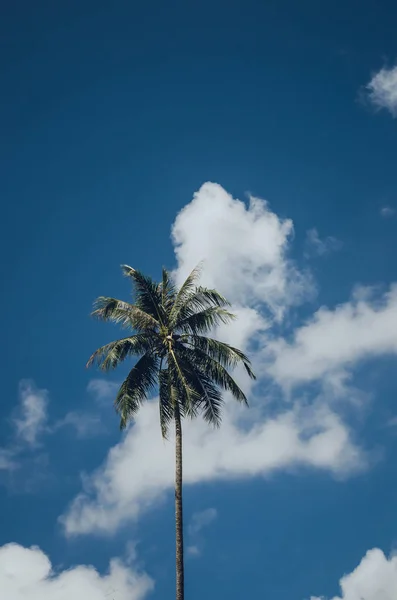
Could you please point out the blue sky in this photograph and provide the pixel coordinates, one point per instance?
(147, 135)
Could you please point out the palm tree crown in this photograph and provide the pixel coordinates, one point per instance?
(167, 334)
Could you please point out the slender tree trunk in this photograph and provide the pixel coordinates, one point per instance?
(180, 583)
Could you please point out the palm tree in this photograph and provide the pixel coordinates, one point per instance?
(189, 368)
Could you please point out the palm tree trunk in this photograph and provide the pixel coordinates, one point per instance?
(180, 583)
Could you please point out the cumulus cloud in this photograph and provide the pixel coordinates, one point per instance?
(333, 341)
(382, 90)
(375, 578)
(27, 574)
(320, 247)
(140, 469)
(32, 417)
(246, 249)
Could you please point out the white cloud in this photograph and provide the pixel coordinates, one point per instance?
(201, 519)
(387, 212)
(27, 574)
(382, 90)
(375, 578)
(20, 457)
(245, 250)
(140, 469)
(333, 341)
(7, 460)
(84, 424)
(32, 418)
(102, 389)
(320, 247)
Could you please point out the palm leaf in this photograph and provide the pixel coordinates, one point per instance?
(136, 387)
(215, 371)
(186, 396)
(208, 398)
(226, 355)
(203, 321)
(168, 292)
(148, 293)
(166, 395)
(111, 355)
(198, 299)
(123, 313)
(185, 291)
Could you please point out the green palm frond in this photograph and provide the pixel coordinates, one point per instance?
(110, 356)
(198, 299)
(166, 401)
(215, 371)
(136, 387)
(148, 293)
(185, 291)
(187, 396)
(203, 321)
(123, 313)
(168, 292)
(207, 397)
(228, 356)
(203, 297)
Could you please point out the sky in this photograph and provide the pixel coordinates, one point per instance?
(260, 137)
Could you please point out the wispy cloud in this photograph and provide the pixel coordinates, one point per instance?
(85, 424)
(31, 417)
(320, 247)
(198, 522)
(382, 90)
(23, 457)
(102, 389)
(387, 212)
(201, 519)
(29, 422)
(7, 460)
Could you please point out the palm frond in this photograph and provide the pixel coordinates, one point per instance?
(205, 320)
(187, 397)
(202, 297)
(214, 370)
(136, 387)
(198, 299)
(123, 313)
(208, 398)
(147, 292)
(168, 292)
(166, 399)
(111, 355)
(187, 289)
(228, 356)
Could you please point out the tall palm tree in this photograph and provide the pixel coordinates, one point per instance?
(189, 368)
